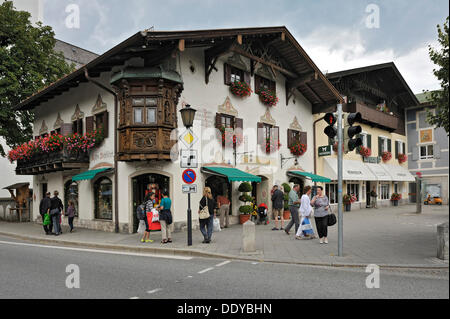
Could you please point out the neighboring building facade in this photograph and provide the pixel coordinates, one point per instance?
(427, 150)
(381, 95)
(154, 75)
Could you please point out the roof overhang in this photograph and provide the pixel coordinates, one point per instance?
(302, 73)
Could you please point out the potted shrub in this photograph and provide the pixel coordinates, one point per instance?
(287, 189)
(246, 209)
(395, 197)
(347, 200)
(240, 88)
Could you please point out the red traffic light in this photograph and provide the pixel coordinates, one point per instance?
(330, 118)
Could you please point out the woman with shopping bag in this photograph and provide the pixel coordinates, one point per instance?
(206, 215)
(305, 231)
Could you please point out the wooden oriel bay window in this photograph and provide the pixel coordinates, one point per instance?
(144, 110)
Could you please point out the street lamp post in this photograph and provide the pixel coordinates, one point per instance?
(187, 116)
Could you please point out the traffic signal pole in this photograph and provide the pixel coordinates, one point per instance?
(340, 170)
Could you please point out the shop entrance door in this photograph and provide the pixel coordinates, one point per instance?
(144, 184)
(368, 190)
(220, 186)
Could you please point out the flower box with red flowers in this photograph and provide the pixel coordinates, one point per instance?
(271, 145)
(230, 137)
(396, 197)
(386, 156)
(402, 158)
(240, 88)
(268, 97)
(365, 151)
(297, 149)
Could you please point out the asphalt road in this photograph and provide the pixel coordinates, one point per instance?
(39, 271)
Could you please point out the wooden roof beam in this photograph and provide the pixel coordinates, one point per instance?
(313, 93)
(242, 52)
(212, 55)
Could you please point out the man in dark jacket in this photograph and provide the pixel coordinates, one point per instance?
(277, 206)
(44, 207)
(56, 209)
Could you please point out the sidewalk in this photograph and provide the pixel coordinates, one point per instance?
(394, 237)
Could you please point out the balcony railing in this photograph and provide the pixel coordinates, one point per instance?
(52, 162)
(373, 116)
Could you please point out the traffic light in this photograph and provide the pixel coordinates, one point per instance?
(330, 130)
(350, 131)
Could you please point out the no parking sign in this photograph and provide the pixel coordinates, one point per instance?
(189, 176)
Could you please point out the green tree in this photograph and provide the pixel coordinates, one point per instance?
(27, 64)
(440, 97)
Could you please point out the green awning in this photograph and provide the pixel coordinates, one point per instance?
(89, 174)
(313, 177)
(233, 174)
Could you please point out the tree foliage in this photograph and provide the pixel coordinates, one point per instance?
(27, 64)
(440, 98)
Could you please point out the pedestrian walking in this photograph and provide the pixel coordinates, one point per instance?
(277, 206)
(165, 218)
(305, 231)
(56, 209)
(321, 206)
(207, 224)
(148, 204)
(70, 213)
(44, 208)
(223, 203)
(294, 205)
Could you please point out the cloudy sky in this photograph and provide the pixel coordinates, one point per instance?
(334, 33)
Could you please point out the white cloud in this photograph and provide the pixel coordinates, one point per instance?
(341, 49)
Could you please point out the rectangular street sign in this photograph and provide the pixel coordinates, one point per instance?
(188, 159)
(189, 189)
(325, 150)
(372, 159)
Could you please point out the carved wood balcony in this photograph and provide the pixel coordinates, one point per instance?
(374, 117)
(52, 162)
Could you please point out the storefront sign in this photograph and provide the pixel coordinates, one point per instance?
(371, 159)
(325, 150)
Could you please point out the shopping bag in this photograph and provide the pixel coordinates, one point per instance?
(141, 228)
(216, 225)
(155, 215)
(153, 226)
(305, 228)
(46, 220)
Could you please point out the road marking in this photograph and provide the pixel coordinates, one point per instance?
(134, 298)
(254, 263)
(189, 276)
(154, 290)
(98, 251)
(223, 263)
(205, 270)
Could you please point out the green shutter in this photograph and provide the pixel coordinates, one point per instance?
(396, 149)
(405, 151)
(389, 145)
(369, 141)
(380, 142)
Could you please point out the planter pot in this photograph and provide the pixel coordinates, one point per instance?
(348, 207)
(286, 215)
(395, 202)
(243, 218)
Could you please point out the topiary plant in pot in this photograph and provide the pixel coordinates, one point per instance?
(287, 189)
(246, 209)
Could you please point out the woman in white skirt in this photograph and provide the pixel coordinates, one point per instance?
(305, 231)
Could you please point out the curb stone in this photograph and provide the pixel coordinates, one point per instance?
(197, 253)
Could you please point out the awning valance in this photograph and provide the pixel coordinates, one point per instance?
(398, 173)
(233, 174)
(352, 170)
(380, 173)
(313, 177)
(89, 174)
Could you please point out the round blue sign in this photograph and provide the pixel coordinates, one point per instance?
(189, 176)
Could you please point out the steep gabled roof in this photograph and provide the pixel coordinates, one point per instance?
(296, 65)
(385, 77)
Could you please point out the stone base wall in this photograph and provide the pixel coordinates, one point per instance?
(102, 225)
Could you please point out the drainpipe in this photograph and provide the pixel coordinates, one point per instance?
(116, 173)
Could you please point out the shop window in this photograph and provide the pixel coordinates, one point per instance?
(103, 198)
(427, 152)
(263, 83)
(331, 190)
(353, 189)
(384, 191)
(71, 194)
